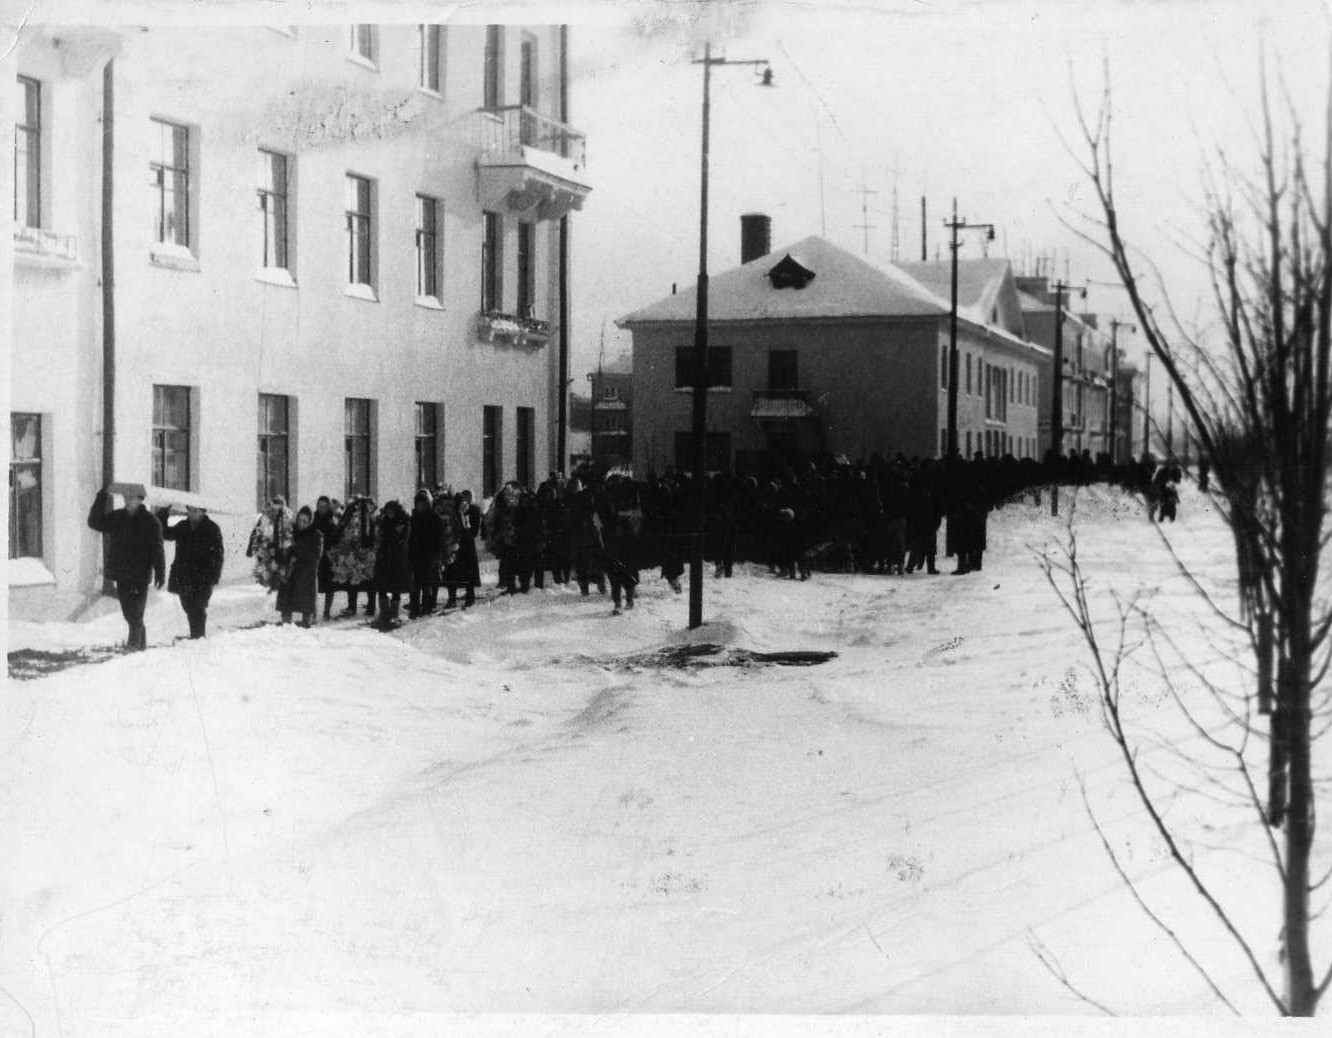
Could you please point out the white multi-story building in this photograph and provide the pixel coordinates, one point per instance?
(302, 261)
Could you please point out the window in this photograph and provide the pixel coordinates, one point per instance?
(719, 367)
(526, 268)
(968, 374)
(490, 262)
(943, 367)
(356, 433)
(493, 87)
(427, 247)
(28, 155)
(525, 443)
(968, 454)
(170, 181)
(783, 369)
(427, 445)
(491, 453)
(25, 486)
(365, 43)
(943, 442)
(985, 379)
(1012, 385)
(717, 451)
(171, 437)
(273, 207)
(360, 231)
(431, 73)
(273, 463)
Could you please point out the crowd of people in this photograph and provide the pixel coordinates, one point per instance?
(882, 516)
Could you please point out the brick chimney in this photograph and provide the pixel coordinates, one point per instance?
(755, 236)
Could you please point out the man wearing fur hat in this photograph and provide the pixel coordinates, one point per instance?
(134, 554)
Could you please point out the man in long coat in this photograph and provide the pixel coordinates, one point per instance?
(197, 567)
(134, 555)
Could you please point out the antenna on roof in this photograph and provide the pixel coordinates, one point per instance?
(897, 241)
(865, 226)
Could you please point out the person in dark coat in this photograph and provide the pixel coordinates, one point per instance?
(465, 570)
(425, 549)
(197, 567)
(134, 555)
(393, 572)
(554, 532)
(621, 517)
(326, 522)
(922, 522)
(299, 590)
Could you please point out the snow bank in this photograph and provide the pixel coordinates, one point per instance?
(506, 810)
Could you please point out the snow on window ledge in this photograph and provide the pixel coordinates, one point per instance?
(361, 290)
(357, 58)
(279, 276)
(27, 572)
(173, 257)
(429, 303)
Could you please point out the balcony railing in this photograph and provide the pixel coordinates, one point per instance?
(33, 241)
(493, 325)
(781, 405)
(505, 130)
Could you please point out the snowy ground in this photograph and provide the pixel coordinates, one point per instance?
(515, 810)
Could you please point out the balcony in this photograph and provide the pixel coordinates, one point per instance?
(38, 248)
(781, 405)
(531, 162)
(512, 329)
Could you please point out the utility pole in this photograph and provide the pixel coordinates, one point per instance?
(1147, 410)
(1170, 422)
(700, 412)
(1115, 325)
(562, 405)
(924, 234)
(1057, 400)
(895, 250)
(865, 226)
(955, 225)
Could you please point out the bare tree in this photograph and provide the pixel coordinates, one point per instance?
(1257, 391)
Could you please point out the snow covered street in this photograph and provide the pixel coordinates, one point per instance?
(516, 809)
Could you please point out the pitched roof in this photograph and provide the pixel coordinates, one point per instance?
(843, 286)
(978, 280)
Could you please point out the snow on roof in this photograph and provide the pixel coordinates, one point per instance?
(979, 281)
(843, 286)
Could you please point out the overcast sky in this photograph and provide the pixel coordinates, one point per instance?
(940, 99)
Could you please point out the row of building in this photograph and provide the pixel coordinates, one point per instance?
(815, 351)
(294, 261)
(311, 260)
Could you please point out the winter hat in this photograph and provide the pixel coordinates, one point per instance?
(305, 511)
(422, 496)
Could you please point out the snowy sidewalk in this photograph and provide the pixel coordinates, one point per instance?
(508, 810)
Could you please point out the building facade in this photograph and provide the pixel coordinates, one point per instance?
(813, 351)
(319, 261)
(613, 414)
(1086, 382)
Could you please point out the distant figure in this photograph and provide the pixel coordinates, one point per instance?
(299, 589)
(197, 567)
(393, 572)
(134, 555)
(326, 522)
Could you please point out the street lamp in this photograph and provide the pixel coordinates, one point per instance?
(956, 225)
(700, 415)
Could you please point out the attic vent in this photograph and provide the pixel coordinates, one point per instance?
(790, 274)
